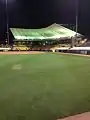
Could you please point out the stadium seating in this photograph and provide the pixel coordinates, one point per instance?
(20, 48)
(86, 44)
(80, 43)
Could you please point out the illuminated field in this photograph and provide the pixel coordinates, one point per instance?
(43, 86)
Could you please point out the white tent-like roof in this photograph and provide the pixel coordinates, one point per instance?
(53, 32)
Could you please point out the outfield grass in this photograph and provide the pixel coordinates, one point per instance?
(46, 87)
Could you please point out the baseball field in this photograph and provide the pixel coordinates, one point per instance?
(44, 86)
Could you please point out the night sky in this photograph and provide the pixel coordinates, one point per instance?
(42, 13)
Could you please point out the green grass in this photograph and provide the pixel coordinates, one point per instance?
(47, 87)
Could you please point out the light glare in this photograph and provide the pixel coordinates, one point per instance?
(9, 1)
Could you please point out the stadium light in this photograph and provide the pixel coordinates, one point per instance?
(7, 22)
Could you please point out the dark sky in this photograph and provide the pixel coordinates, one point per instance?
(41, 13)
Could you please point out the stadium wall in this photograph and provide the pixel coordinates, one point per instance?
(75, 50)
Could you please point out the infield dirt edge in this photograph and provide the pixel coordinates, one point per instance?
(20, 53)
(83, 116)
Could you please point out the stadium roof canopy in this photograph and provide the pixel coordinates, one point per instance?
(53, 32)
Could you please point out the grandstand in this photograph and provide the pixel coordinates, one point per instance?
(86, 44)
(45, 37)
(53, 32)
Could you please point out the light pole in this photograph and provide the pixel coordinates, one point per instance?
(7, 22)
(76, 24)
(76, 17)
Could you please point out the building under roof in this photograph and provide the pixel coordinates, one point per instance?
(55, 31)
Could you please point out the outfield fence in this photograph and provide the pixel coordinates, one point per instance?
(75, 50)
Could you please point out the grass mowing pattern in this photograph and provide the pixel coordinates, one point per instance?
(48, 86)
